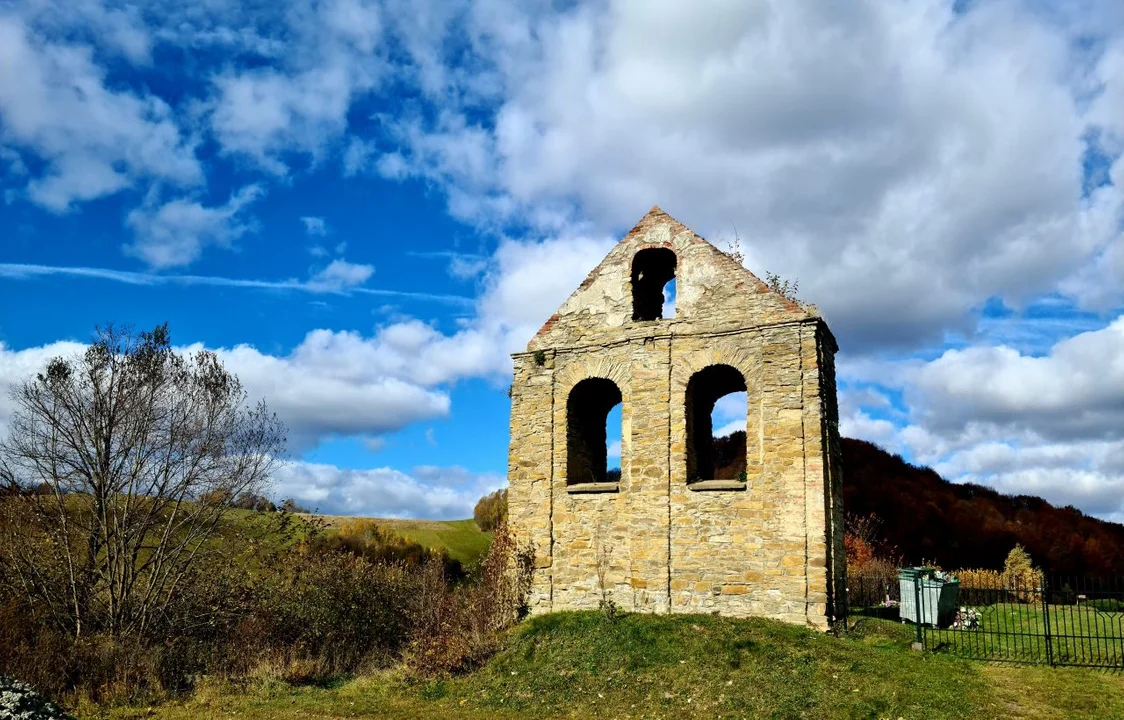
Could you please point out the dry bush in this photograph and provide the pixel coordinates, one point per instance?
(979, 579)
(879, 567)
(190, 638)
(329, 613)
(866, 554)
(1020, 576)
(95, 668)
(303, 614)
(872, 568)
(461, 626)
(1020, 580)
(31, 650)
(860, 553)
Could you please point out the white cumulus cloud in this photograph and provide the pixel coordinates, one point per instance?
(93, 139)
(1050, 425)
(426, 492)
(903, 184)
(174, 233)
(315, 226)
(340, 275)
(317, 396)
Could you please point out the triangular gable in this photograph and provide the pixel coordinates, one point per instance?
(714, 291)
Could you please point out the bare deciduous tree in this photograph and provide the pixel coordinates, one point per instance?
(118, 468)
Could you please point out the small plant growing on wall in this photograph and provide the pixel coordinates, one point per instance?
(607, 605)
(734, 249)
(540, 358)
(787, 288)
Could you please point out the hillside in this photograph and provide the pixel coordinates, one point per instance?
(930, 519)
(461, 538)
(925, 518)
(579, 665)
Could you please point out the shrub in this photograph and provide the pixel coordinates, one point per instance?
(254, 501)
(98, 668)
(491, 511)
(190, 636)
(1019, 579)
(292, 506)
(303, 613)
(980, 579)
(278, 598)
(461, 626)
(32, 648)
(333, 612)
(1020, 575)
(860, 553)
(866, 555)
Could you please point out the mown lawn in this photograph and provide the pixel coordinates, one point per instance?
(1080, 634)
(581, 665)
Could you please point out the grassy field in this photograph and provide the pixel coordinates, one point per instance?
(1013, 631)
(463, 540)
(578, 665)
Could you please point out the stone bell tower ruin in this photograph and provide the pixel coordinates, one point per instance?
(667, 535)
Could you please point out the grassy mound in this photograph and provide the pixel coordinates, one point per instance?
(706, 666)
(579, 665)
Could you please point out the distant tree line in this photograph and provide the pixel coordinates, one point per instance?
(926, 518)
(923, 518)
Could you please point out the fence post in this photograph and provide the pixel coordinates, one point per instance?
(1046, 622)
(917, 615)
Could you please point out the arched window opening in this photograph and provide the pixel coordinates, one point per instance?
(652, 270)
(587, 438)
(709, 458)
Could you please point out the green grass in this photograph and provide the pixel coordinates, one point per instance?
(1014, 631)
(580, 665)
(1044, 693)
(463, 540)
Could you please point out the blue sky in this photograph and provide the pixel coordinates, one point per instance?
(366, 205)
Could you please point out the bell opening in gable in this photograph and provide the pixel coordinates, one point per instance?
(653, 284)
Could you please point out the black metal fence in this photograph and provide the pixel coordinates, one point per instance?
(1029, 619)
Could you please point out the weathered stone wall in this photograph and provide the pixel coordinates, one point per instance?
(767, 544)
(530, 467)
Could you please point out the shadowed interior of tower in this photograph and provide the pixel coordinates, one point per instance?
(652, 269)
(587, 412)
(703, 391)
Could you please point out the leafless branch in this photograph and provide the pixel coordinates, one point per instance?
(119, 467)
